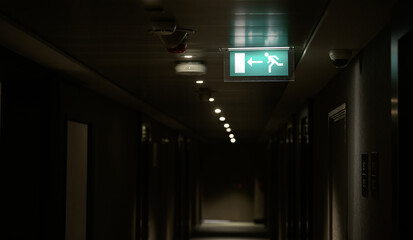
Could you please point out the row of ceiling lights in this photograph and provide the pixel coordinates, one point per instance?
(176, 43)
(221, 117)
(186, 70)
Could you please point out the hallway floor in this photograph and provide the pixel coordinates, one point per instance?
(227, 230)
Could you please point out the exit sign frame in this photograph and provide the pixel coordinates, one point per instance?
(272, 65)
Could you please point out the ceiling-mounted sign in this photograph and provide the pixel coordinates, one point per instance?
(258, 64)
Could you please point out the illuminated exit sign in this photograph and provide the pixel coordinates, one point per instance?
(258, 64)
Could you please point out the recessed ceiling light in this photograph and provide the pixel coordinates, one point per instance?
(221, 119)
(231, 135)
(190, 68)
(228, 129)
(226, 125)
(233, 140)
(199, 82)
(217, 110)
(211, 99)
(187, 56)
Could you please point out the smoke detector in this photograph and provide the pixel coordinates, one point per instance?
(163, 27)
(190, 68)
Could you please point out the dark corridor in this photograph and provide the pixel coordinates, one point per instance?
(127, 119)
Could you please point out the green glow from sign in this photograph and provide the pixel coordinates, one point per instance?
(259, 63)
(264, 29)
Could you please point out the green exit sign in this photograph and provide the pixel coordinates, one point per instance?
(258, 64)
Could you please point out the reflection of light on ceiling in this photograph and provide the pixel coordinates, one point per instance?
(250, 36)
(272, 37)
(239, 22)
(239, 31)
(259, 29)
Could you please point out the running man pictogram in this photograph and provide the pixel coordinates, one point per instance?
(273, 61)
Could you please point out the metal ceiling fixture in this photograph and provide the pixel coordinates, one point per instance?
(165, 27)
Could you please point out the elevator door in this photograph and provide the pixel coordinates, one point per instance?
(338, 173)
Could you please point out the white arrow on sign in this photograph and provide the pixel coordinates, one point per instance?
(250, 62)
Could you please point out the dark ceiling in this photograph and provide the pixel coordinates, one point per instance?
(112, 38)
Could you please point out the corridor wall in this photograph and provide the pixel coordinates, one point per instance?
(364, 86)
(37, 104)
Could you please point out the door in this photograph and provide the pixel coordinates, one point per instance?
(338, 173)
(76, 180)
